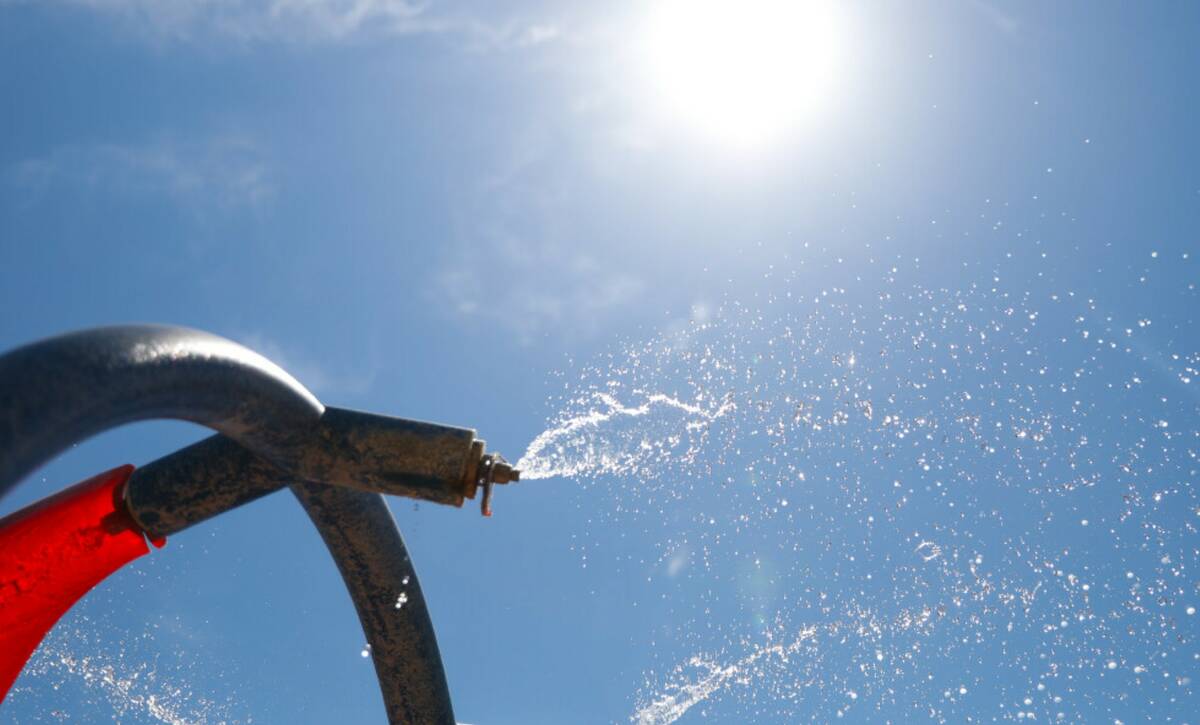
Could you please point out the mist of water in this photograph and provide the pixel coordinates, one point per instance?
(990, 479)
(124, 682)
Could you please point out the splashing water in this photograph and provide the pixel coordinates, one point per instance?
(679, 698)
(967, 502)
(124, 684)
(600, 435)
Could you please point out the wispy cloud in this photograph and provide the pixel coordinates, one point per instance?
(222, 173)
(1002, 20)
(317, 376)
(533, 287)
(293, 21)
(515, 260)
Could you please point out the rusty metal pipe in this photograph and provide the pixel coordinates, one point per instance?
(365, 543)
(352, 449)
(273, 433)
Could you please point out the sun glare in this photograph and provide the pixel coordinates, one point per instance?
(742, 72)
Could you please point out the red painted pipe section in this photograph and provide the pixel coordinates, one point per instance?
(54, 552)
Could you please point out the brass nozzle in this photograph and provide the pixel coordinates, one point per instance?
(503, 472)
(485, 470)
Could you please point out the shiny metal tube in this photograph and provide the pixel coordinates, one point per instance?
(65, 389)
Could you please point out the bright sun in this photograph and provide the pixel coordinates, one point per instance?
(742, 71)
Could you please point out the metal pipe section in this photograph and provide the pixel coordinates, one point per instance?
(58, 391)
(366, 545)
(373, 453)
(198, 482)
(216, 474)
(64, 389)
(347, 448)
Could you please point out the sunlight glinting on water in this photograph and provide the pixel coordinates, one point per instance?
(901, 478)
(124, 684)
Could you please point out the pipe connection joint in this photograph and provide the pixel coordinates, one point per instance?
(487, 470)
(364, 451)
(404, 457)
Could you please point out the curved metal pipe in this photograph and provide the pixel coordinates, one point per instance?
(362, 536)
(346, 449)
(207, 478)
(64, 389)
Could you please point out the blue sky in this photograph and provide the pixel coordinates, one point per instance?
(471, 214)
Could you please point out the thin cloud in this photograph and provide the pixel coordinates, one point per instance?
(312, 374)
(308, 21)
(222, 173)
(543, 289)
(1005, 22)
(529, 275)
(537, 281)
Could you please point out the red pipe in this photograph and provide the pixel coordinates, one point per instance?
(54, 552)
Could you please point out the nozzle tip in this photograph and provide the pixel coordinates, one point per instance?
(502, 472)
(494, 470)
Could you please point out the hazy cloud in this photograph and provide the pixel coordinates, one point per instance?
(996, 16)
(527, 271)
(533, 288)
(225, 172)
(292, 21)
(317, 377)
